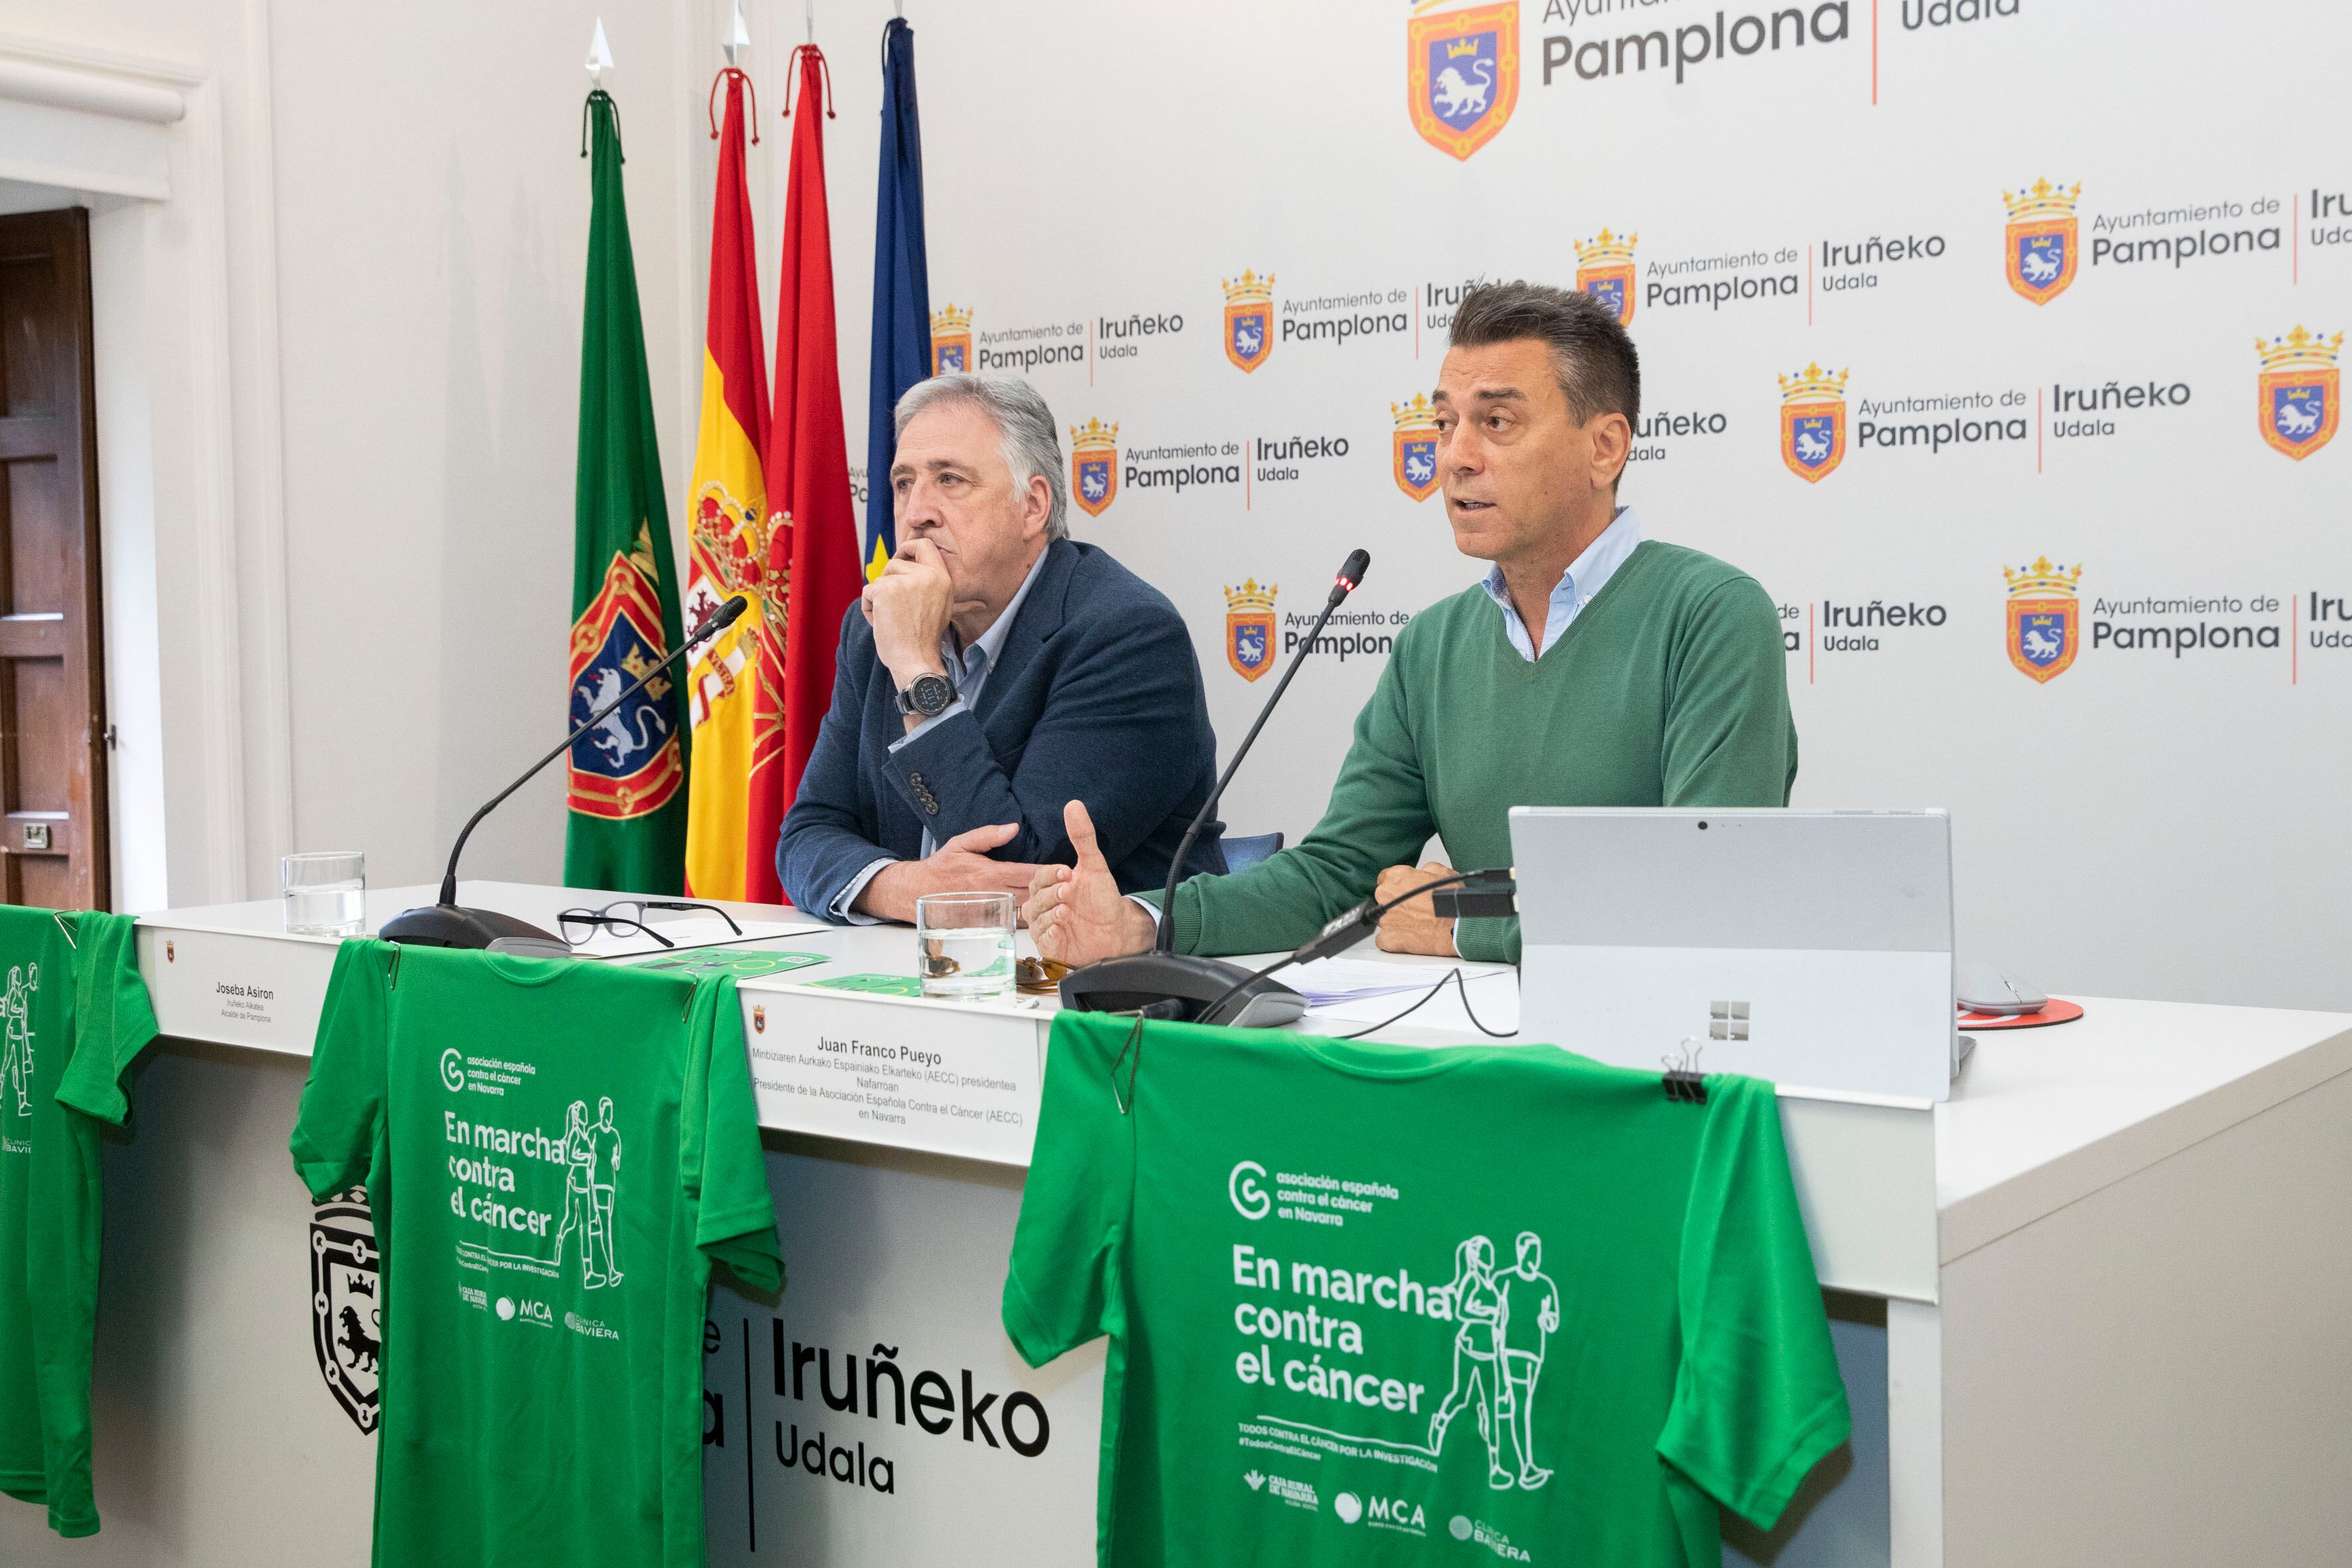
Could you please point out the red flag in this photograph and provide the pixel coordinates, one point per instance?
(812, 523)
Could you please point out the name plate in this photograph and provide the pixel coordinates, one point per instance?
(932, 1076)
(261, 990)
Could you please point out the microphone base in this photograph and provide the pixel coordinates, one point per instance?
(449, 925)
(1141, 979)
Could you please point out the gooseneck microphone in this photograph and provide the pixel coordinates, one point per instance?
(1169, 984)
(449, 924)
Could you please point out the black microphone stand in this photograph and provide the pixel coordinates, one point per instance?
(448, 923)
(1165, 984)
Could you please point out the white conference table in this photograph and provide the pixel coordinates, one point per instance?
(2115, 1266)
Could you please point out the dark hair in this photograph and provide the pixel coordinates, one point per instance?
(1591, 354)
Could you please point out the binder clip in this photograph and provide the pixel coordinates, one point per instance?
(1685, 1084)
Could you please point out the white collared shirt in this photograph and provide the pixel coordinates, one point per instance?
(1585, 577)
(970, 668)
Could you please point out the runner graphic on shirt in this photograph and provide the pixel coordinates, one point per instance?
(578, 1200)
(16, 1059)
(604, 1170)
(1530, 1317)
(1478, 1303)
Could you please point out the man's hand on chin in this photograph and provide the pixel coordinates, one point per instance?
(1414, 926)
(959, 866)
(1077, 913)
(909, 607)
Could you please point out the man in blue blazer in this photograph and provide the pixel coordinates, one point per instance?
(995, 671)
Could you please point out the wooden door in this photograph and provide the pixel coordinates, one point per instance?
(53, 735)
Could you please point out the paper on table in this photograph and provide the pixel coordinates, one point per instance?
(1330, 982)
(697, 930)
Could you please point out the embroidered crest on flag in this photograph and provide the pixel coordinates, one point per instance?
(2298, 391)
(1249, 319)
(1094, 466)
(1249, 628)
(1812, 422)
(1414, 465)
(950, 341)
(630, 763)
(2042, 241)
(1461, 75)
(346, 1323)
(2045, 618)
(1604, 270)
(729, 556)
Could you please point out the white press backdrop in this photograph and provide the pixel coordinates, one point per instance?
(2152, 821)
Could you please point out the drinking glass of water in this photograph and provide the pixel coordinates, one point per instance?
(964, 945)
(326, 893)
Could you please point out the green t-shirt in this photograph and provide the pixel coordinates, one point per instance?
(556, 1152)
(1371, 1304)
(1669, 688)
(73, 1015)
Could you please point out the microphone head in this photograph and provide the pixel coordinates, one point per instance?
(1351, 570)
(732, 611)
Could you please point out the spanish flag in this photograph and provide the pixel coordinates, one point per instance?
(726, 513)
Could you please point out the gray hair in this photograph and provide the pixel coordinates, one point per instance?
(1032, 450)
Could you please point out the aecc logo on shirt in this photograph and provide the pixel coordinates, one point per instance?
(1250, 1200)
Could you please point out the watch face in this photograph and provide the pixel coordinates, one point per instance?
(931, 695)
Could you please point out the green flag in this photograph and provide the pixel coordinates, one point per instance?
(626, 822)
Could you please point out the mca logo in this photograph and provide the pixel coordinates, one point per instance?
(2041, 246)
(1812, 422)
(2298, 391)
(2045, 618)
(1249, 319)
(1416, 463)
(630, 763)
(950, 341)
(1249, 628)
(1461, 75)
(1604, 270)
(1094, 466)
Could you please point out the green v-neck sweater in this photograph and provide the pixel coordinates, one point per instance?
(1668, 688)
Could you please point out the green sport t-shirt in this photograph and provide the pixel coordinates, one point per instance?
(73, 1015)
(1374, 1304)
(556, 1152)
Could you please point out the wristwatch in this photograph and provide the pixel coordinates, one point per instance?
(928, 697)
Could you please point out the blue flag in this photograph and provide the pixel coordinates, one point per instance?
(902, 285)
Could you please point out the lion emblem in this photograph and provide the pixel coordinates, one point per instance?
(1457, 95)
(358, 1345)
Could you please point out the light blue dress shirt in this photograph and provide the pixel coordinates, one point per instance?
(969, 667)
(1585, 577)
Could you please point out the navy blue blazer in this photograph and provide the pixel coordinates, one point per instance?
(1095, 696)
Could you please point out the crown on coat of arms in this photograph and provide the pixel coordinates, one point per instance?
(1461, 48)
(951, 320)
(1811, 385)
(1248, 287)
(2041, 578)
(1607, 250)
(1249, 596)
(1094, 435)
(2298, 348)
(1419, 414)
(2042, 200)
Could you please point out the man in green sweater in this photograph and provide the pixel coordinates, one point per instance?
(1591, 667)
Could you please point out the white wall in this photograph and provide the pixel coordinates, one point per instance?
(406, 224)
